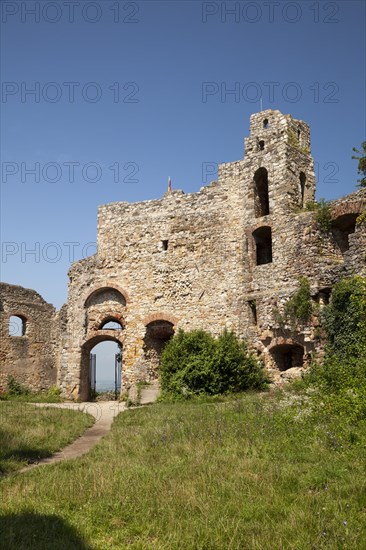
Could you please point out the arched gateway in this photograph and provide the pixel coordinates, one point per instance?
(87, 369)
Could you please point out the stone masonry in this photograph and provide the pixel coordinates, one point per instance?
(228, 256)
(32, 356)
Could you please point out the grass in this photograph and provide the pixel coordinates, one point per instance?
(28, 432)
(254, 473)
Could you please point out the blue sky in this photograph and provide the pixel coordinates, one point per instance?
(121, 84)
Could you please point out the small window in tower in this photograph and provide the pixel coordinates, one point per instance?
(253, 310)
(261, 197)
(298, 134)
(302, 188)
(263, 245)
(164, 245)
(261, 145)
(265, 123)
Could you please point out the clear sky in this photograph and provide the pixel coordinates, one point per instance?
(126, 94)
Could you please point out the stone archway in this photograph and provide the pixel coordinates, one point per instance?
(158, 332)
(101, 336)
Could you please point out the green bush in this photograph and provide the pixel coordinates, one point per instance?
(298, 308)
(195, 363)
(341, 379)
(323, 214)
(15, 388)
(345, 319)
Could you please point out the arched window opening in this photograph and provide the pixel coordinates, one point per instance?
(157, 335)
(263, 245)
(288, 356)
(111, 324)
(342, 227)
(261, 145)
(17, 325)
(302, 188)
(261, 198)
(298, 134)
(265, 123)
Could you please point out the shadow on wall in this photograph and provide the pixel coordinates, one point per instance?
(38, 532)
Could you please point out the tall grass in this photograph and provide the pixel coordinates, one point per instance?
(258, 473)
(28, 433)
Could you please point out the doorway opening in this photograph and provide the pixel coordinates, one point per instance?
(101, 370)
(158, 333)
(288, 356)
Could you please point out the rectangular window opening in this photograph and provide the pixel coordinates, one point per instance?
(253, 310)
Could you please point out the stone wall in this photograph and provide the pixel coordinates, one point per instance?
(29, 342)
(228, 256)
(191, 261)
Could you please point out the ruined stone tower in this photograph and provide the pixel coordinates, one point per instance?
(228, 256)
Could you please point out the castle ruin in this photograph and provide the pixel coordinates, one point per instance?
(228, 256)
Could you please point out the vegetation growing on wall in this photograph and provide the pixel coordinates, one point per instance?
(298, 309)
(361, 219)
(294, 142)
(341, 378)
(323, 214)
(361, 168)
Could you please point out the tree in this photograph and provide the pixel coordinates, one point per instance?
(361, 163)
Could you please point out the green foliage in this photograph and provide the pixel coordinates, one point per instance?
(195, 363)
(15, 388)
(311, 206)
(298, 309)
(54, 391)
(361, 168)
(361, 219)
(294, 142)
(323, 216)
(341, 378)
(323, 213)
(344, 319)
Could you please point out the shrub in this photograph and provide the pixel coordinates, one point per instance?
(341, 378)
(298, 308)
(323, 214)
(15, 388)
(344, 319)
(194, 363)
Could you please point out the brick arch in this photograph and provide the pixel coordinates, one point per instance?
(106, 317)
(105, 286)
(160, 317)
(348, 207)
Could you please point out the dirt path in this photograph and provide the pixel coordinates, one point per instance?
(104, 413)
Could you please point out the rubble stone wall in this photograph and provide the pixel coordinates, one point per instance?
(32, 357)
(228, 256)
